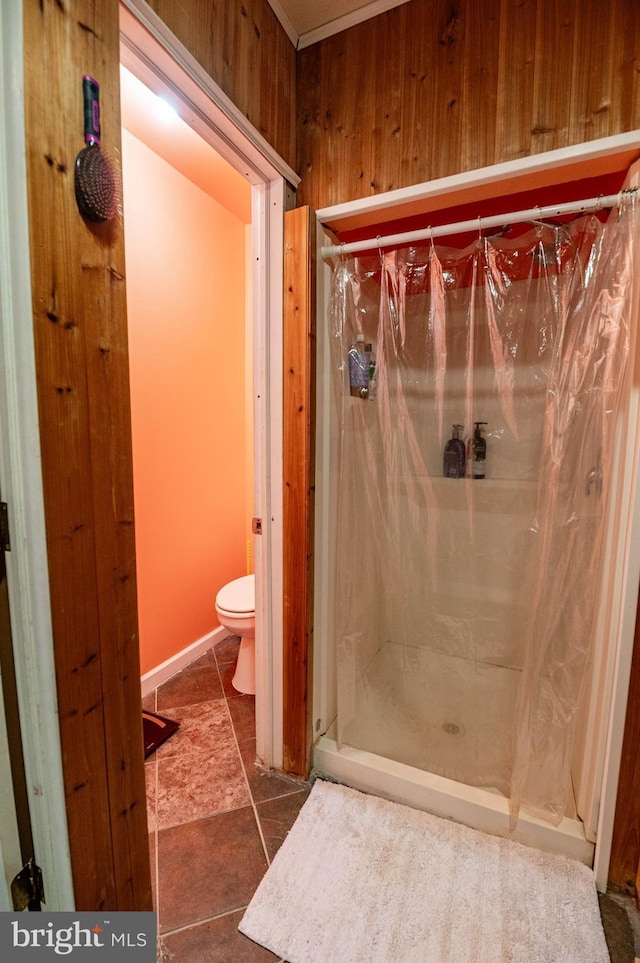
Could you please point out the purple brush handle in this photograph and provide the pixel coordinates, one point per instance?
(91, 100)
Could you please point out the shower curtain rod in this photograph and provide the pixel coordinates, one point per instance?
(478, 223)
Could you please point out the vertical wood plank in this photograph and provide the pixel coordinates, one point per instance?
(379, 154)
(591, 89)
(516, 59)
(419, 67)
(107, 370)
(445, 87)
(553, 70)
(79, 323)
(625, 90)
(298, 412)
(480, 82)
(311, 164)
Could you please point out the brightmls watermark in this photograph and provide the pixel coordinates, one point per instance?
(79, 937)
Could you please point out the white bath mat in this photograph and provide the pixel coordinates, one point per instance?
(363, 880)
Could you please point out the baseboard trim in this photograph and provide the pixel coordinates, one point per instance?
(155, 677)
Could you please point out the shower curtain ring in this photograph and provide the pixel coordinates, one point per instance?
(599, 203)
(537, 221)
(479, 228)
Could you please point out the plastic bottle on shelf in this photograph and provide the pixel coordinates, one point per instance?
(454, 460)
(478, 451)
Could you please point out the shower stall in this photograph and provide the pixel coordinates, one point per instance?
(468, 593)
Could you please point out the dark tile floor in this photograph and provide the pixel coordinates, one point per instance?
(216, 819)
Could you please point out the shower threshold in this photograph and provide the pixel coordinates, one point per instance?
(478, 808)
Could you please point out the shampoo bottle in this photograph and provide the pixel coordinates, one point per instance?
(478, 451)
(359, 359)
(454, 455)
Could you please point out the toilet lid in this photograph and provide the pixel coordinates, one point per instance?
(238, 596)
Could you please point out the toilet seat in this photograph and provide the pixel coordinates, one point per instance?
(228, 613)
(237, 598)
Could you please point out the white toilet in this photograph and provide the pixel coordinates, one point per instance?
(236, 608)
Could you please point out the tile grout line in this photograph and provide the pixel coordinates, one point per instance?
(196, 819)
(206, 919)
(244, 772)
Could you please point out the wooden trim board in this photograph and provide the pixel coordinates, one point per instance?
(298, 386)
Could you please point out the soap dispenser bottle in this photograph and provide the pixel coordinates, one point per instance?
(454, 455)
(478, 451)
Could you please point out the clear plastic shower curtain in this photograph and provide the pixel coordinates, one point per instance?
(465, 606)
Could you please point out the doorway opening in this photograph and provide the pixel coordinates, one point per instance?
(151, 53)
(188, 244)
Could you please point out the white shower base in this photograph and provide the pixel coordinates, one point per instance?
(447, 714)
(426, 744)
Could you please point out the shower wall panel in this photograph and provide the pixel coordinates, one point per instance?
(469, 607)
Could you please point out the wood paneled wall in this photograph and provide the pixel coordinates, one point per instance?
(436, 87)
(243, 47)
(79, 318)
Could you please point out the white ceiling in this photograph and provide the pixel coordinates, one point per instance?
(308, 21)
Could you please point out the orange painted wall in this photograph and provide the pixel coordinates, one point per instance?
(185, 259)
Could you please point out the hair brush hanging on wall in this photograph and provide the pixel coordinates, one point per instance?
(96, 181)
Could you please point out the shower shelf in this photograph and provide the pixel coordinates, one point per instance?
(460, 485)
(494, 495)
(518, 483)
